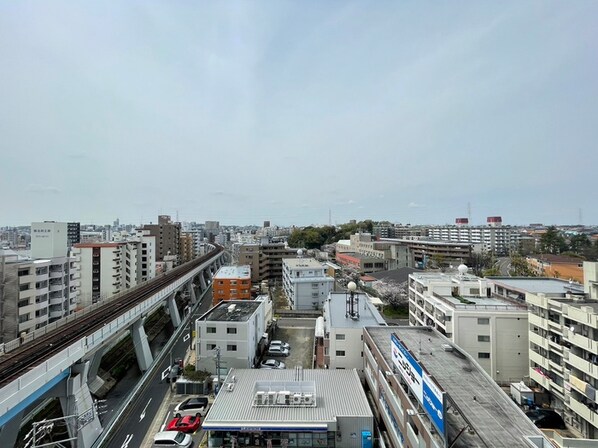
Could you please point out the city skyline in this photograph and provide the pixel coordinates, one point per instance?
(240, 113)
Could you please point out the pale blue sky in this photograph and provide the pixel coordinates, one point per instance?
(246, 111)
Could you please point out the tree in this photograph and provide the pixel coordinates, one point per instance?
(392, 293)
(520, 268)
(579, 243)
(552, 242)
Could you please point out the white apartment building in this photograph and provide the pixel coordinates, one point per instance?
(345, 317)
(305, 283)
(34, 293)
(49, 239)
(563, 343)
(233, 328)
(490, 238)
(108, 268)
(493, 330)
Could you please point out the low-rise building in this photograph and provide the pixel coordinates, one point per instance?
(430, 393)
(305, 283)
(231, 333)
(494, 330)
(345, 317)
(291, 408)
(558, 266)
(231, 283)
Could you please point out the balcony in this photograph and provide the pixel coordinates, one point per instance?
(583, 365)
(538, 321)
(539, 359)
(538, 340)
(25, 279)
(56, 288)
(555, 327)
(542, 380)
(583, 411)
(55, 314)
(583, 342)
(56, 301)
(76, 275)
(56, 274)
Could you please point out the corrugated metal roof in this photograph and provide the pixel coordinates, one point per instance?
(338, 392)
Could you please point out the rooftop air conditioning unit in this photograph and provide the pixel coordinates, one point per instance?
(308, 399)
(271, 398)
(260, 398)
(297, 398)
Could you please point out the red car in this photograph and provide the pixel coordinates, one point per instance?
(188, 424)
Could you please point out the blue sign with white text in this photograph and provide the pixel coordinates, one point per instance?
(433, 403)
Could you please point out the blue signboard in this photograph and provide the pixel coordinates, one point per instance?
(366, 439)
(423, 387)
(433, 403)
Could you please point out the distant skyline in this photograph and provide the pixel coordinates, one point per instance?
(249, 111)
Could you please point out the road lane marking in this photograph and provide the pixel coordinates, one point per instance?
(127, 441)
(144, 409)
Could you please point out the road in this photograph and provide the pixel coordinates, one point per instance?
(138, 418)
(504, 265)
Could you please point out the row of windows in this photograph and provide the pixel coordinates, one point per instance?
(229, 347)
(229, 330)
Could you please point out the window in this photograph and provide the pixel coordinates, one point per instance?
(482, 338)
(232, 330)
(483, 355)
(210, 346)
(483, 321)
(211, 330)
(231, 347)
(340, 353)
(340, 337)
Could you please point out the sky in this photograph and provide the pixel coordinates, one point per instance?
(298, 112)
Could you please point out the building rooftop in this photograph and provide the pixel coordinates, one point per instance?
(302, 263)
(235, 409)
(336, 309)
(549, 286)
(233, 272)
(231, 311)
(400, 275)
(474, 399)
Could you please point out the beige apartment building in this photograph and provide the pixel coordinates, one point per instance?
(563, 343)
(461, 306)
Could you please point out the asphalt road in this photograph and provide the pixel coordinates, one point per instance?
(504, 265)
(137, 419)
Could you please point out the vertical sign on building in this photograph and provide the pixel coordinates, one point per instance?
(423, 387)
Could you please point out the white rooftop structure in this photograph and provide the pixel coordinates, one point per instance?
(233, 272)
(238, 408)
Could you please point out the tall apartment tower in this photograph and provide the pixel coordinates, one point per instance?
(167, 235)
(108, 268)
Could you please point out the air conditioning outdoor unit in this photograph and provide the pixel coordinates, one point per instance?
(308, 399)
(271, 397)
(260, 398)
(297, 398)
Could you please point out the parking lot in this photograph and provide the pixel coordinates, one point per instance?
(299, 333)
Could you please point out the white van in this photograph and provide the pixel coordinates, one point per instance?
(172, 439)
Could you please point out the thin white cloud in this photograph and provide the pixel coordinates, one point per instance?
(415, 205)
(36, 188)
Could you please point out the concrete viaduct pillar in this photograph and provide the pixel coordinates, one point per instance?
(77, 402)
(175, 317)
(191, 289)
(10, 430)
(94, 381)
(202, 281)
(142, 348)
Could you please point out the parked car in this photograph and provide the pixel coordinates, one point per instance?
(277, 350)
(281, 344)
(192, 406)
(172, 438)
(546, 418)
(174, 373)
(187, 424)
(272, 364)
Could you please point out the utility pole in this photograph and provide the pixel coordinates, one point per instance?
(217, 369)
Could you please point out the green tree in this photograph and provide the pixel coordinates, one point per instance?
(520, 268)
(579, 243)
(552, 242)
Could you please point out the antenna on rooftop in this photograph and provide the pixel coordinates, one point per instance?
(469, 211)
